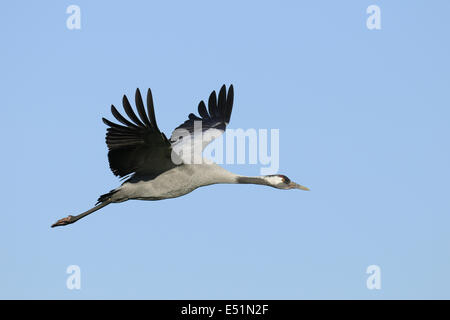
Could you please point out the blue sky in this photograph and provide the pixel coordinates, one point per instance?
(363, 118)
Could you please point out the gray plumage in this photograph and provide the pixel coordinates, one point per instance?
(157, 168)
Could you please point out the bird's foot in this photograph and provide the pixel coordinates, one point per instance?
(64, 221)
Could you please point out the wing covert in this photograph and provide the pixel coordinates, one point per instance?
(211, 122)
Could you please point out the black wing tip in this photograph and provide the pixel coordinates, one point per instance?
(151, 110)
(228, 103)
(125, 101)
(219, 106)
(230, 89)
(224, 87)
(146, 120)
(141, 109)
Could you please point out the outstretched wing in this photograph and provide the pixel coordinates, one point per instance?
(137, 146)
(186, 139)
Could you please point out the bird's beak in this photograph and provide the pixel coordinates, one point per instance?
(298, 186)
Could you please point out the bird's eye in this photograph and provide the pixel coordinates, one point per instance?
(285, 179)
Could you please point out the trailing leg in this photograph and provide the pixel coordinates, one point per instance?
(72, 219)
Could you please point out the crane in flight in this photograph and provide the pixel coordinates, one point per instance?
(157, 168)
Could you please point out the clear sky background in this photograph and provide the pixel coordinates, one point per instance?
(364, 122)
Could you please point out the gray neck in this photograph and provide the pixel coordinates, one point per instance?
(217, 174)
(251, 180)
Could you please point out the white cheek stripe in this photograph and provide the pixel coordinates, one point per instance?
(274, 180)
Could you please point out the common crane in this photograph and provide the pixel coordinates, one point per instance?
(157, 168)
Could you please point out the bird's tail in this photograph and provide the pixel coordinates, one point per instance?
(106, 196)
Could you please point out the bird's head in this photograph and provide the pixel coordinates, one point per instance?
(280, 181)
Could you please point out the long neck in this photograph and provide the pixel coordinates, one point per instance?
(221, 175)
(251, 180)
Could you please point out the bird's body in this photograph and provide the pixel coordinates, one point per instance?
(157, 168)
(173, 183)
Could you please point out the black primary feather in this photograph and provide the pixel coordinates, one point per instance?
(216, 116)
(137, 147)
(140, 109)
